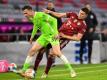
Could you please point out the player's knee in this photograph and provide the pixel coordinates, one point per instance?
(57, 53)
(39, 56)
(32, 52)
(51, 55)
(54, 52)
(41, 51)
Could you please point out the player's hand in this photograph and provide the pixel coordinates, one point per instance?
(56, 37)
(30, 41)
(62, 35)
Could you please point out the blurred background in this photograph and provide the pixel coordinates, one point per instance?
(15, 29)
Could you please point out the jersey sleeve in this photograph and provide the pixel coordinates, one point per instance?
(34, 31)
(35, 24)
(82, 29)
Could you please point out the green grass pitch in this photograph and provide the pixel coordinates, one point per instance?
(60, 72)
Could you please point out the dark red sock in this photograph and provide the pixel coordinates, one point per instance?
(49, 64)
(37, 61)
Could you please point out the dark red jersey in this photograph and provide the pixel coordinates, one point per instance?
(73, 25)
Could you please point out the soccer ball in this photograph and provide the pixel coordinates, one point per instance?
(12, 67)
(30, 73)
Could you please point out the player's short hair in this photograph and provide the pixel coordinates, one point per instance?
(86, 10)
(27, 7)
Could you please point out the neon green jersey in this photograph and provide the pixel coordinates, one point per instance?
(45, 23)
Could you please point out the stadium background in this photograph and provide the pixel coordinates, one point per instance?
(15, 30)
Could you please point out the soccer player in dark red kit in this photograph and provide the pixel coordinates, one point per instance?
(72, 29)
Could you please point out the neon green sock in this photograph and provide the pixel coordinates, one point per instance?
(69, 67)
(25, 66)
(66, 62)
(27, 63)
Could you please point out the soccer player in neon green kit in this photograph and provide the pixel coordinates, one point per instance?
(49, 34)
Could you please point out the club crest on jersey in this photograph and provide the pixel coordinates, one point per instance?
(72, 17)
(78, 23)
(75, 20)
(84, 30)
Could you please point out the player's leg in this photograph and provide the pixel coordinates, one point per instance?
(90, 43)
(48, 51)
(49, 62)
(63, 43)
(37, 46)
(39, 58)
(48, 66)
(41, 42)
(82, 46)
(56, 51)
(31, 53)
(48, 57)
(29, 59)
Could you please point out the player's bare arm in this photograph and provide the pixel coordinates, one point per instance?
(55, 13)
(33, 34)
(76, 37)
